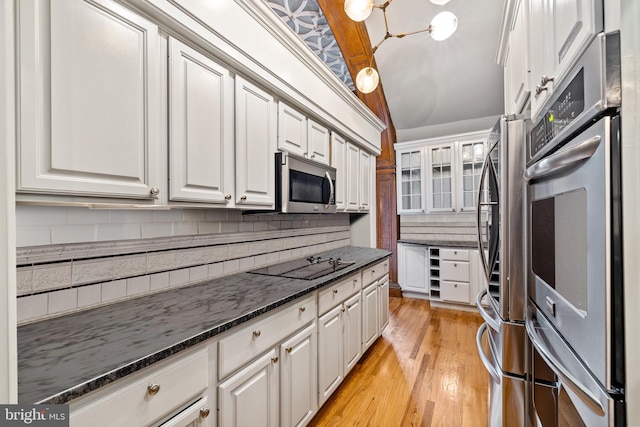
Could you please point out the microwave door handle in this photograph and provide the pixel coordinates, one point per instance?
(493, 371)
(566, 377)
(331, 190)
(563, 159)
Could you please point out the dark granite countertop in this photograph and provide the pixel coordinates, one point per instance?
(65, 357)
(441, 244)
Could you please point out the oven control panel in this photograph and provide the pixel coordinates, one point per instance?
(566, 108)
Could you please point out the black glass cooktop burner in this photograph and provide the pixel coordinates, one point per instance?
(304, 268)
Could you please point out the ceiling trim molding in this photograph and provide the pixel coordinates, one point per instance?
(479, 134)
(508, 12)
(266, 17)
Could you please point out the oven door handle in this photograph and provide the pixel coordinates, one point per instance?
(566, 377)
(563, 159)
(328, 205)
(493, 371)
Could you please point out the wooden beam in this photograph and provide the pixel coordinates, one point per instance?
(353, 40)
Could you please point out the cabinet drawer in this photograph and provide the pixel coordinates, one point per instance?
(455, 254)
(151, 397)
(453, 291)
(371, 274)
(455, 271)
(250, 341)
(338, 292)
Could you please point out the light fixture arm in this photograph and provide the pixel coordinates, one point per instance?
(388, 34)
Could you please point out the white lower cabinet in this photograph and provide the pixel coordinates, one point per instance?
(330, 353)
(412, 269)
(299, 378)
(370, 326)
(383, 302)
(163, 393)
(250, 397)
(352, 332)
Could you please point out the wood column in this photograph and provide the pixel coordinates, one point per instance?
(353, 40)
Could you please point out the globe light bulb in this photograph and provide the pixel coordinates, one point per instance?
(443, 25)
(358, 10)
(367, 80)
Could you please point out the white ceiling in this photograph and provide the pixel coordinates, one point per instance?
(428, 82)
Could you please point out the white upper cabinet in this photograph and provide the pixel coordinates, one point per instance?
(410, 181)
(300, 135)
(440, 188)
(339, 161)
(89, 100)
(352, 176)
(201, 159)
(364, 170)
(560, 30)
(256, 136)
(516, 73)
(318, 142)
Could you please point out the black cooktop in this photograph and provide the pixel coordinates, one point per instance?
(304, 268)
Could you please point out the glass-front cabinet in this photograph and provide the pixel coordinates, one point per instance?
(440, 175)
(410, 181)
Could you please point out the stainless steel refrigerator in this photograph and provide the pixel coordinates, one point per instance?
(501, 233)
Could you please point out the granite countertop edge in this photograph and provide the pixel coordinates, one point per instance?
(122, 371)
(441, 243)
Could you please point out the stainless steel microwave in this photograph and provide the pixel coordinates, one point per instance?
(303, 185)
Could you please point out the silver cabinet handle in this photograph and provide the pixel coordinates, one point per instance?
(243, 198)
(313, 156)
(154, 191)
(227, 197)
(153, 389)
(335, 291)
(289, 350)
(540, 89)
(455, 265)
(256, 333)
(545, 80)
(275, 359)
(204, 412)
(302, 309)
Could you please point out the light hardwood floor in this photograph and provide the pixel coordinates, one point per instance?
(423, 371)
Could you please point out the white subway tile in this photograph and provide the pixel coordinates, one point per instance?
(217, 253)
(41, 215)
(189, 257)
(130, 216)
(216, 215)
(64, 300)
(32, 307)
(234, 215)
(273, 257)
(260, 260)
(138, 285)
(87, 216)
(193, 215)
(215, 270)
(108, 232)
(73, 234)
(160, 261)
(245, 227)
(247, 263)
(159, 281)
(89, 295)
(171, 215)
(229, 227)
(51, 276)
(92, 271)
(184, 228)
(114, 290)
(232, 266)
(239, 250)
(32, 235)
(24, 280)
(208, 227)
(198, 273)
(179, 277)
(161, 229)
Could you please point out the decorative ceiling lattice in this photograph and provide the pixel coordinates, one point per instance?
(307, 20)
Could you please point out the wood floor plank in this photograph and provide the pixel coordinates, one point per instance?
(423, 371)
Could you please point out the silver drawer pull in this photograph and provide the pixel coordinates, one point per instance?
(256, 333)
(335, 291)
(302, 309)
(455, 265)
(153, 389)
(289, 350)
(204, 412)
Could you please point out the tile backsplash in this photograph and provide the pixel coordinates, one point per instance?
(72, 258)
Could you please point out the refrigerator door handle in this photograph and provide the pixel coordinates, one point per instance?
(495, 324)
(493, 371)
(565, 376)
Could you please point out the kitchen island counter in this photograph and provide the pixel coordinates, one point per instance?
(63, 358)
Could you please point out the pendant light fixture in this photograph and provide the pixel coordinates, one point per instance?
(442, 26)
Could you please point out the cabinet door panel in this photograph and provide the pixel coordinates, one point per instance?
(370, 308)
(330, 353)
(353, 157)
(318, 138)
(456, 271)
(339, 161)
(194, 416)
(352, 332)
(250, 397)
(383, 301)
(414, 277)
(89, 99)
(292, 130)
(364, 193)
(299, 376)
(255, 145)
(201, 120)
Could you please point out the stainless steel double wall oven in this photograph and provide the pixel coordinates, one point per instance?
(574, 314)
